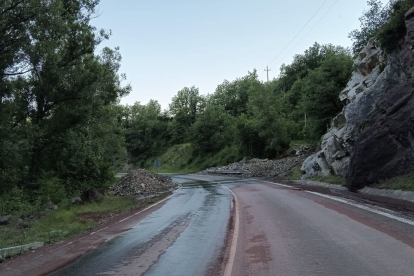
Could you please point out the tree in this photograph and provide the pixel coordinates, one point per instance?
(146, 131)
(374, 18)
(320, 91)
(57, 96)
(184, 109)
(213, 131)
(233, 96)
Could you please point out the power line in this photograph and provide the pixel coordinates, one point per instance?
(299, 32)
(323, 16)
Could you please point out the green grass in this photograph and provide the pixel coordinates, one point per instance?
(174, 160)
(403, 182)
(406, 184)
(180, 159)
(331, 179)
(53, 226)
(295, 173)
(295, 143)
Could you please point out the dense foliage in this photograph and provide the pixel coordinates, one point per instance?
(384, 23)
(59, 132)
(246, 117)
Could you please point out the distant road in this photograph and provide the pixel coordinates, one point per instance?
(279, 230)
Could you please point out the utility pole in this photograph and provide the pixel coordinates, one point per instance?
(267, 71)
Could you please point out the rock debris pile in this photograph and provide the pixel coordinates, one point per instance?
(143, 183)
(260, 167)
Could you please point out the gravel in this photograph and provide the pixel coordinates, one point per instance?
(143, 183)
(260, 167)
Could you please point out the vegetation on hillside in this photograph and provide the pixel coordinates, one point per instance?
(385, 23)
(58, 102)
(244, 117)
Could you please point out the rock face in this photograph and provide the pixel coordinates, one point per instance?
(369, 83)
(386, 148)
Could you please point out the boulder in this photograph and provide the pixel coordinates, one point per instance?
(4, 220)
(92, 195)
(385, 148)
(51, 206)
(315, 165)
(76, 200)
(22, 224)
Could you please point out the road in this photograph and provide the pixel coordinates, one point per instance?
(268, 229)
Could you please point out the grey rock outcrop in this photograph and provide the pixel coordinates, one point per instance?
(367, 84)
(374, 76)
(385, 149)
(365, 87)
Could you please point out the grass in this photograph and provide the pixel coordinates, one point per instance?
(53, 226)
(331, 179)
(174, 160)
(403, 182)
(296, 143)
(295, 173)
(181, 159)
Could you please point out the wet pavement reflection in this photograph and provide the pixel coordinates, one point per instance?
(184, 237)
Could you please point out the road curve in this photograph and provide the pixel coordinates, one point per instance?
(184, 237)
(273, 230)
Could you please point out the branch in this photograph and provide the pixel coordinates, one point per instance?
(20, 73)
(12, 7)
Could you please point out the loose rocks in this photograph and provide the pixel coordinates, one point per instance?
(143, 183)
(259, 167)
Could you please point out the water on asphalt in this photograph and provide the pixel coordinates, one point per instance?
(184, 237)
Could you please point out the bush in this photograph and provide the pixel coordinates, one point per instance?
(14, 202)
(394, 29)
(51, 189)
(385, 23)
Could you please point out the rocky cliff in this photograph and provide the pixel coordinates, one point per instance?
(359, 135)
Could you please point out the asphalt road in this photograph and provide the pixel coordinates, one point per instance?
(284, 231)
(268, 229)
(184, 237)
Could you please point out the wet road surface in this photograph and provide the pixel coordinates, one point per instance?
(268, 229)
(285, 231)
(184, 237)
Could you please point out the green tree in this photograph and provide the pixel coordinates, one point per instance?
(320, 91)
(146, 131)
(184, 109)
(57, 96)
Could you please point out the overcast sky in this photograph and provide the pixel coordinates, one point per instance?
(169, 44)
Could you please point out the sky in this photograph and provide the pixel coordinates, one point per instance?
(167, 45)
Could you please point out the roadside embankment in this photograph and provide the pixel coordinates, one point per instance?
(20, 233)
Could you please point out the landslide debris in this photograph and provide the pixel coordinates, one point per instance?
(255, 167)
(143, 183)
